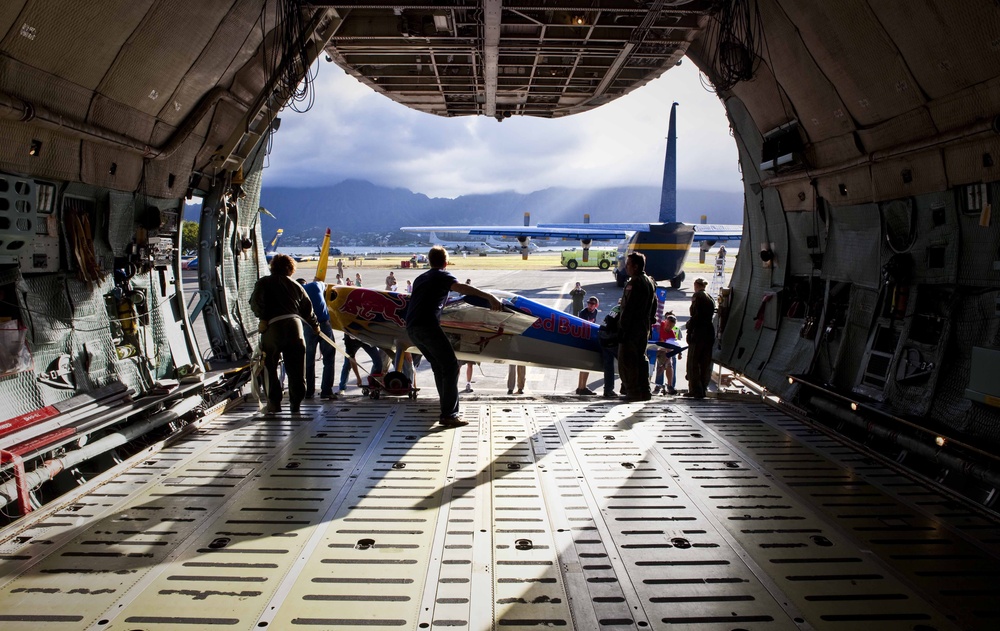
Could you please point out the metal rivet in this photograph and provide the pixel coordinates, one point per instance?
(292, 465)
(628, 465)
(513, 465)
(218, 544)
(364, 544)
(399, 465)
(523, 544)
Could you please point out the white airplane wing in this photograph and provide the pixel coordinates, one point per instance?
(717, 232)
(582, 232)
(702, 231)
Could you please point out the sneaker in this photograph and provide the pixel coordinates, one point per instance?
(610, 394)
(671, 391)
(329, 396)
(658, 390)
(453, 421)
(309, 395)
(520, 391)
(585, 392)
(510, 390)
(271, 409)
(295, 410)
(468, 387)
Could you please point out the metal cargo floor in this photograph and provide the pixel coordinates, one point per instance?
(542, 513)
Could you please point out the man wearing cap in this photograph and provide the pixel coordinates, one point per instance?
(701, 339)
(637, 315)
(588, 313)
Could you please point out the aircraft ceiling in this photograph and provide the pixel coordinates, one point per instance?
(125, 92)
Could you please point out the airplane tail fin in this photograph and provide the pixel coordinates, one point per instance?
(324, 256)
(668, 193)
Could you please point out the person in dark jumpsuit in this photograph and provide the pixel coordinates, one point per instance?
(329, 354)
(282, 306)
(701, 339)
(423, 326)
(636, 320)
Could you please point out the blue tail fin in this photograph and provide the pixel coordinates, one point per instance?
(668, 194)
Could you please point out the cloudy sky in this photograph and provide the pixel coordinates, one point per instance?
(354, 132)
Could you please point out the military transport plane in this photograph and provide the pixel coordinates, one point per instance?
(665, 243)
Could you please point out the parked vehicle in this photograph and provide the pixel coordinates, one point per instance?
(603, 258)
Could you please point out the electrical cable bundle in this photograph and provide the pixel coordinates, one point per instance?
(737, 53)
(287, 56)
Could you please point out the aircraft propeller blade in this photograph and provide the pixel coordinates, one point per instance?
(324, 256)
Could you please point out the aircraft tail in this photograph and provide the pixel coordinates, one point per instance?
(668, 194)
(324, 256)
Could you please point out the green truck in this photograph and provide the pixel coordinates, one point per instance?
(603, 258)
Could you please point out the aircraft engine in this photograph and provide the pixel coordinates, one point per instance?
(525, 242)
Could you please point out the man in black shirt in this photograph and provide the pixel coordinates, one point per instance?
(701, 339)
(423, 325)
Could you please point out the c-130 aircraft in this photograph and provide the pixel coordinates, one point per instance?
(664, 243)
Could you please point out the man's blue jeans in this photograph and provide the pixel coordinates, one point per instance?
(608, 357)
(329, 355)
(373, 353)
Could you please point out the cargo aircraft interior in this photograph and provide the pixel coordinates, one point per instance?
(851, 483)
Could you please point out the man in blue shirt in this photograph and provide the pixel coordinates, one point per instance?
(423, 325)
(315, 292)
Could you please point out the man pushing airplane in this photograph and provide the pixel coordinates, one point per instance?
(423, 326)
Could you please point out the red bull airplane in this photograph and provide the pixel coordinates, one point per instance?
(524, 332)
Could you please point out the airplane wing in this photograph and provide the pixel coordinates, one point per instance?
(460, 317)
(672, 347)
(702, 231)
(623, 227)
(583, 232)
(717, 232)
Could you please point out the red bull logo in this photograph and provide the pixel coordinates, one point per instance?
(375, 306)
(562, 325)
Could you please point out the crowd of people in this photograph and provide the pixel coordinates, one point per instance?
(295, 323)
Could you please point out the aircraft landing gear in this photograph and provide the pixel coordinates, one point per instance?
(675, 282)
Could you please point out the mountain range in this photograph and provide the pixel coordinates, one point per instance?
(359, 206)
